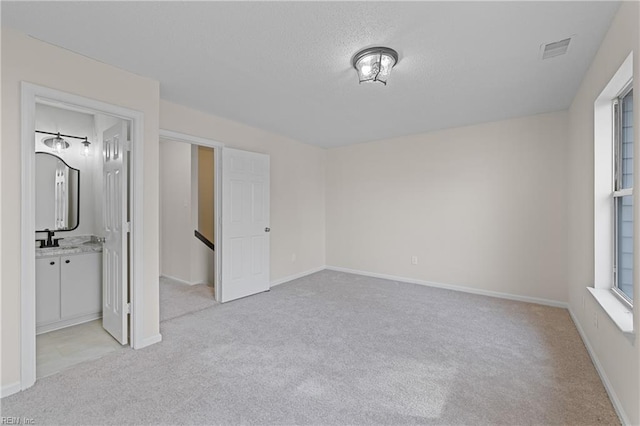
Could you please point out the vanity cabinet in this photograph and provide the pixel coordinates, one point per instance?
(47, 290)
(68, 290)
(80, 284)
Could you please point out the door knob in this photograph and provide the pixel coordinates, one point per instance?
(267, 229)
(67, 261)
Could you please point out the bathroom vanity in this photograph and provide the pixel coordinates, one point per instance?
(68, 285)
(68, 268)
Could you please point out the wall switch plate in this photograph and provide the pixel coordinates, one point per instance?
(293, 257)
(414, 260)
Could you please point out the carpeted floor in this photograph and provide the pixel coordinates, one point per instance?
(177, 299)
(334, 348)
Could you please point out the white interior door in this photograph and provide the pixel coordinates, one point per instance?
(115, 254)
(245, 224)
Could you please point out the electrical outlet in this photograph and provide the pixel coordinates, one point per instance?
(414, 260)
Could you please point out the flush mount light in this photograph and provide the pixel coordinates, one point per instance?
(374, 64)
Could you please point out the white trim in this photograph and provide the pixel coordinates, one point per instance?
(30, 94)
(617, 405)
(296, 276)
(149, 341)
(618, 312)
(183, 137)
(57, 325)
(136, 200)
(10, 389)
(217, 225)
(217, 197)
(169, 277)
(28, 252)
(603, 175)
(500, 295)
(623, 192)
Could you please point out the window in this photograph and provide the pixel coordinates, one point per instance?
(613, 199)
(623, 194)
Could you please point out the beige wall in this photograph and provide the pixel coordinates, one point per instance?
(619, 356)
(297, 185)
(481, 207)
(182, 255)
(22, 59)
(203, 258)
(176, 229)
(206, 176)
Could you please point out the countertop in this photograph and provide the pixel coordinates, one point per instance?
(71, 245)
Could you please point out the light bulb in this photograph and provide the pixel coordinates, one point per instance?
(58, 146)
(85, 147)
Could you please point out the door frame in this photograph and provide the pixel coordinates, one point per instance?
(218, 147)
(30, 95)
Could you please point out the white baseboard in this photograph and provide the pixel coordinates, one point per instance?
(10, 389)
(179, 280)
(68, 323)
(296, 276)
(605, 380)
(149, 341)
(537, 300)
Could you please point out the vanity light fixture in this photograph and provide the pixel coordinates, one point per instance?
(58, 144)
(85, 147)
(374, 64)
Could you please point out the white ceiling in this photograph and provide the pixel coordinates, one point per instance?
(286, 67)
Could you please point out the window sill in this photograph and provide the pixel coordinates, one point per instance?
(620, 314)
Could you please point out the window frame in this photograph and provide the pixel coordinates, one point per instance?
(617, 191)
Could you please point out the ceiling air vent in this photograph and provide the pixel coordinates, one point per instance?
(556, 48)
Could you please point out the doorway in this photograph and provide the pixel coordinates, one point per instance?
(70, 232)
(131, 300)
(190, 200)
(242, 218)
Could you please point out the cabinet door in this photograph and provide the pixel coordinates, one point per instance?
(81, 284)
(47, 290)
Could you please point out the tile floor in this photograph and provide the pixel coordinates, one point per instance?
(61, 349)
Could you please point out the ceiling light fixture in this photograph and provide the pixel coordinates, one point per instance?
(374, 64)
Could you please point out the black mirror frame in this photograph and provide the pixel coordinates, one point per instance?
(78, 215)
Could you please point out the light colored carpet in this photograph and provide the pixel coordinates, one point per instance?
(334, 348)
(177, 299)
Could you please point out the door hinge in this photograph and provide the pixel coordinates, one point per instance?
(127, 308)
(127, 145)
(127, 226)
